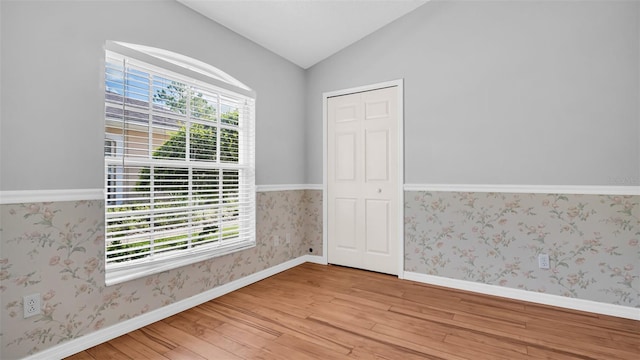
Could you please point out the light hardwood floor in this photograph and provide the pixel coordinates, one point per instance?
(330, 312)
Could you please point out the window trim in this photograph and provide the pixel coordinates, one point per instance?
(116, 273)
(118, 140)
(167, 262)
(180, 64)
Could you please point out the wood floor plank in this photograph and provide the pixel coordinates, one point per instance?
(107, 351)
(406, 324)
(278, 348)
(240, 319)
(376, 350)
(135, 349)
(288, 324)
(309, 347)
(182, 353)
(329, 312)
(81, 356)
(290, 308)
(203, 318)
(220, 339)
(541, 339)
(442, 350)
(580, 333)
(495, 323)
(491, 311)
(245, 335)
(426, 306)
(342, 314)
(150, 338)
(347, 299)
(501, 342)
(413, 336)
(191, 342)
(550, 354)
(479, 349)
(182, 322)
(630, 341)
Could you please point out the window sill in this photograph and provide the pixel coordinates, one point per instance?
(117, 274)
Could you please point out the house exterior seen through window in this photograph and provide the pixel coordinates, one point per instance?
(179, 162)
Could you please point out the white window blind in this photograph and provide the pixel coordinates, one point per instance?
(184, 166)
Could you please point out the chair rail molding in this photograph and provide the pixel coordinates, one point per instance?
(31, 196)
(53, 195)
(527, 189)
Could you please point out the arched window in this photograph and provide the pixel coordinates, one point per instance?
(180, 179)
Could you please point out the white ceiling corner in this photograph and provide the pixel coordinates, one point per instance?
(304, 31)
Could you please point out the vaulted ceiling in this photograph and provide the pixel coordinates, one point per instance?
(304, 31)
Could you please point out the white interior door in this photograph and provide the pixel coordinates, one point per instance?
(362, 180)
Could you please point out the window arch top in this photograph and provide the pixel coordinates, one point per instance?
(182, 64)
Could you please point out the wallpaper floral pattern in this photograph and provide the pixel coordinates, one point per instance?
(57, 250)
(495, 238)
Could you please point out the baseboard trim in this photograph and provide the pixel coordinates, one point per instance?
(316, 259)
(98, 337)
(535, 297)
(527, 189)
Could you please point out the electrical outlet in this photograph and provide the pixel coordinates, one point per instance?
(288, 238)
(543, 261)
(276, 240)
(31, 305)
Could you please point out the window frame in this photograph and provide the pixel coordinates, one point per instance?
(114, 171)
(195, 72)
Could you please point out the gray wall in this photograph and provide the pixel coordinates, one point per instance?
(495, 92)
(52, 104)
(503, 93)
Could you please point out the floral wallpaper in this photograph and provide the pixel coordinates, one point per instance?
(57, 250)
(495, 238)
(312, 201)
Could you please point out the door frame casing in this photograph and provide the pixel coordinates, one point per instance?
(399, 84)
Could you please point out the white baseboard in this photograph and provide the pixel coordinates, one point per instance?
(98, 337)
(316, 259)
(535, 297)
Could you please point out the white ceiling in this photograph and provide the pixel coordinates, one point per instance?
(304, 31)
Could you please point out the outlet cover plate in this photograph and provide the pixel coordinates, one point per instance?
(543, 261)
(31, 305)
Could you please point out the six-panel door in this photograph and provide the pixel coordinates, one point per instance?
(362, 180)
